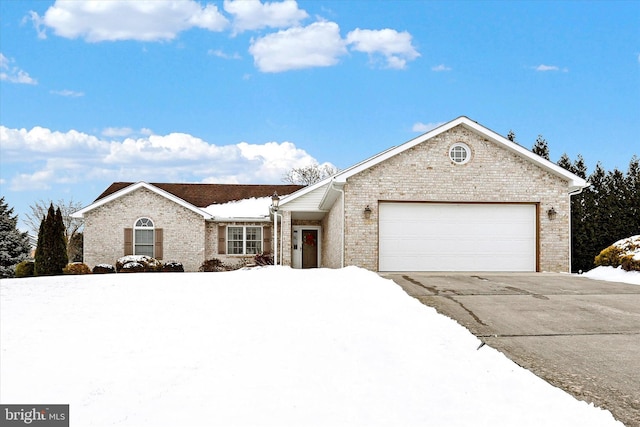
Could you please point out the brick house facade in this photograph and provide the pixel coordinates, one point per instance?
(496, 174)
(183, 229)
(458, 197)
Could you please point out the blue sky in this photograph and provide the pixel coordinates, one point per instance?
(242, 91)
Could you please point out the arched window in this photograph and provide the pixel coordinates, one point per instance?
(143, 233)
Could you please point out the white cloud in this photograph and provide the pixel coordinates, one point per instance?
(425, 127)
(441, 67)
(317, 45)
(394, 46)
(13, 74)
(38, 25)
(67, 93)
(220, 54)
(41, 158)
(115, 132)
(544, 68)
(254, 15)
(42, 141)
(97, 21)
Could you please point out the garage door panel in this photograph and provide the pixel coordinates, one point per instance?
(457, 237)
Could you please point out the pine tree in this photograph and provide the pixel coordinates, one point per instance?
(579, 168)
(633, 202)
(511, 136)
(565, 162)
(14, 244)
(60, 242)
(51, 253)
(541, 148)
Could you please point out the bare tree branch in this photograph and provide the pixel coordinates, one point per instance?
(309, 175)
(39, 212)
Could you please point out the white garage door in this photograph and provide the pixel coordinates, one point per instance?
(457, 237)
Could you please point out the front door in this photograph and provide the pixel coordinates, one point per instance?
(306, 247)
(309, 248)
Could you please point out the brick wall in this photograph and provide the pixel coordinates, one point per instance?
(183, 229)
(426, 173)
(212, 240)
(332, 236)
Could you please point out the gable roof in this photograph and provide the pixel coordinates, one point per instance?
(194, 197)
(203, 195)
(575, 182)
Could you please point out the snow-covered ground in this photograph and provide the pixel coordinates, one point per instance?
(613, 274)
(263, 347)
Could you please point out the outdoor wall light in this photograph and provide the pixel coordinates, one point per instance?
(551, 213)
(275, 201)
(367, 212)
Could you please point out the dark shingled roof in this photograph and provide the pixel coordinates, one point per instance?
(203, 195)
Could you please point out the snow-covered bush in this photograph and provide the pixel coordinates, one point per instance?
(132, 267)
(625, 253)
(25, 268)
(215, 264)
(104, 269)
(263, 259)
(76, 268)
(173, 266)
(148, 263)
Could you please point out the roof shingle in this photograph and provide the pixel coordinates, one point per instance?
(203, 195)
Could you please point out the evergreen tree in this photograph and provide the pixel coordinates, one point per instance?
(541, 148)
(60, 250)
(51, 253)
(633, 202)
(579, 168)
(511, 136)
(14, 244)
(565, 162)
(592, 236)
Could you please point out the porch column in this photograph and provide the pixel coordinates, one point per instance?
(285, 243)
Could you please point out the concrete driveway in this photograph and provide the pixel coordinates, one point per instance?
(578, 334)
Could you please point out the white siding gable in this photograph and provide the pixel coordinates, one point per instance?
(308, 202)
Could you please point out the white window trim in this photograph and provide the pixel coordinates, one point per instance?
(153, 235)
(244, 239)
(465, 147)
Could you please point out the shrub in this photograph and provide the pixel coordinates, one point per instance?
(25, 268)
(104, 269)
(610, 256)
(132, 267)
(215, 264)
(630, 263)
(148, 263)
(263, 259)
(173, 267)
(76, 268)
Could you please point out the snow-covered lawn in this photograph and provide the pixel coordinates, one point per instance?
(613, 274)
(263, 347)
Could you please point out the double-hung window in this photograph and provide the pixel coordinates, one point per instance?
(244, 240)
(143, 237)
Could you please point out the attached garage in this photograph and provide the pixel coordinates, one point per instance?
(457, 236)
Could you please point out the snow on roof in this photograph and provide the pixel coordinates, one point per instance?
(255, 207)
